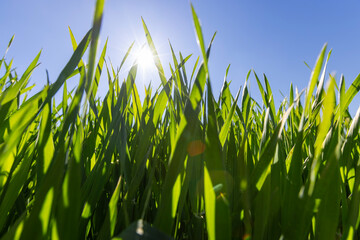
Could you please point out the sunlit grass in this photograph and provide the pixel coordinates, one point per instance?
(181, 163)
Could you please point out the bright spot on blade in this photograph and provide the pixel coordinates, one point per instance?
(140, 228)
(195, 148)
(144, 58)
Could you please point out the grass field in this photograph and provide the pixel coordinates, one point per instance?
(180, 164)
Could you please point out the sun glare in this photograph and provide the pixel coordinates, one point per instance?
(144, 58)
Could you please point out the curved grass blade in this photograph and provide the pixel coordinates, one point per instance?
(200, 38)
(155, 54)
(314, 79)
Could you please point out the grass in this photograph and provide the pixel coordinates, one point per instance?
(181, 164)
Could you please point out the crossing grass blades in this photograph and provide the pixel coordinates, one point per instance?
(181, 164)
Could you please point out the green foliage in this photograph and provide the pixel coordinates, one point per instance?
(179, 164)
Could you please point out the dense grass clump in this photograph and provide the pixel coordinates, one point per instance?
(181, 164)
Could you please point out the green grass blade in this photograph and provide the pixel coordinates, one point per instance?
(16, 185)
(329, 184)
(271, 99)
(217, 209)
(261, 170)
(155, 54)
(314, 78)
(200, 38)
(12, 92)
(99, 70)
(8, 46)
(225, 128)
(70, 66)
(98, 15)
(329, 104)
(45, 144)
(351, 92)
(108, 227)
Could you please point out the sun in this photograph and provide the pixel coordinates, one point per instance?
(144, 57)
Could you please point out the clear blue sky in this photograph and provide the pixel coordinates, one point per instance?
(271, 37)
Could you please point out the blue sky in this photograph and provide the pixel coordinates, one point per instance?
(271, 37)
